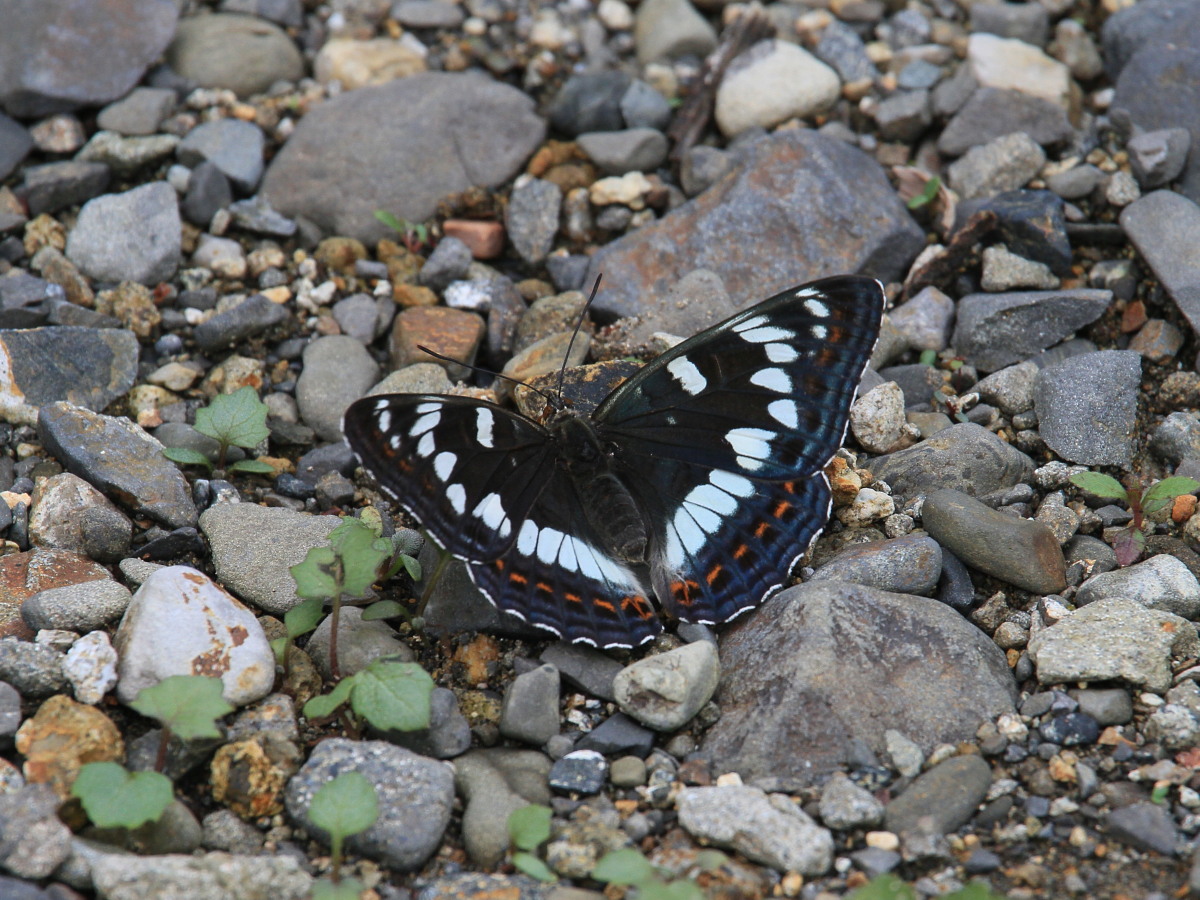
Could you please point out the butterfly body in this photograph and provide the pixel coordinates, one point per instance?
(698, 480)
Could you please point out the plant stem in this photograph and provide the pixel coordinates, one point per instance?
(334, 620)
(160, 761)
(431, 582)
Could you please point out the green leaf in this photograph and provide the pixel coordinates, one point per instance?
(529, 826)
(1099, 484)
(189, 705)
(1159, 794)
(327, 704)
(623, 867)
(410, 565)
(315, 578)
(252, 467)
(303, 617)
(927, 195)
(533, 867)
(239, 418)
(928, 358)
(363, 553)
(391, 220)
(393, 696)
(711, 860)
(346, 889)
(1169, 489)
(345, 806)
(279, 648)
(680, 889)
(884, 887)
(976, 890)
(383, 609)
(114, 797)
(187, 457)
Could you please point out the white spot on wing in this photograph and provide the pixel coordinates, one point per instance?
(527, 538)
(423, 408)
(775, 380)
(443, 464)
(750, 444)
(425, 423)
(711, 498)
(484, 420)
(781, 353)
(425, 445)
(456, 495)
(685, 372)
(766, 334)
(784, 412)
(752, 322)
(548, 544)
(731, 484)
(490, 511)
(820, 332)
(817, 308)
(385, 420)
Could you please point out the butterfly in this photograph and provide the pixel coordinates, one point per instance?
(697, 481)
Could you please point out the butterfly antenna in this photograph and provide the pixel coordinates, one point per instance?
(549, 399)
(562, 372)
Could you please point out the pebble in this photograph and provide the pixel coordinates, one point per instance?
(1160, 582)
(245, 54)
(123, 876)
(1010, 388)
(1015, 65)
(353, 64)
(33, 842)
(53, 186)
(253, 316)
(67, 513)
(845, 805)
(1145, 826)
(1020, 551)
(1157, 157)
(181, 623)
(965, 457)
(1160, 224)
(415, 795)
(925, 320)
(877, 418)
(992, 113)
(124, 156)
(531, 218)
(578, 772)
(770, 83)
(769, 829)
(359, 643)
(670, 29)
(61, 737)
(337, 371)
(942, 799)
(139, 112)
(35, 670)
(1002, 164)
(666, 691)
(905, 565)
(1087, 407)
(588, 669)
(628, 150)
(133, 236)
(1113, 638)
(530, 712)
(76, 607)
(811, 629)
(496, 783)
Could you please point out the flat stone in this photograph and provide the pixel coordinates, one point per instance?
(495, 783)
(134, 236)
(944, 798)
(1161, 582)
(965, 456)
(245, 54)
(772, 82)
(1087, 407)
(906, 565)
(665, 691)
(1162, 225)
(124, 876)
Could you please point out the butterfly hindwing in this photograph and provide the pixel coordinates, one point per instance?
(766, 393)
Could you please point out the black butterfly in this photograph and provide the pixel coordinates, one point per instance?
(700, 476)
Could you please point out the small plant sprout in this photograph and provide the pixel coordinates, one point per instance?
(391, 695)
(928, 193)
(889, 887)
(528, 829)
(186, 706)
(342, 807)
(414, 235)
(114, 797)
(1130, 541)
(232, 420)
(629, 868)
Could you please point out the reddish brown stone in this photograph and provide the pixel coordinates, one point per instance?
(24, 574)
(486, 239)
(454, 333)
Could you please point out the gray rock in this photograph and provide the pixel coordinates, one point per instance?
(1113, 638)
(448, 734)
(76, 607)
(590, 102)
(1020, 551)
(904, 116)
(531, 218)
(584, 667)
(794, 185)
(1177, 438)
(288, 13)
(225, 50)
(877, 418)
(415, 796)
(1145, 826)
(631, 150)
(1161, 582)
(841, 48)
(33, 842)
(208, 191)
(1162, 225)
(494, 784)
(530, 712)
(1002, 164)
(223, 830)
(119, 458)
(1173, 727)
(1005, 271)
(42, 70)
(1076, 183)
(1010, 389)
(965, 457)
(925, 320)
(251, 317)
(181, 623)
(125, 156)
(666, 691)
(578, 772)
(35, 670)
(337, 371)
(905, 565)
(233, 146)
(1157, 157)
(997, 330)
(359, 643)
(400, 161)
(785, 722)
(644, 107)
(257, 215)
(134, 236)
(10, 713)
(844, 805)
(139, 112)
(53, 186)
(361, 316)
(941, 800)
(94, 366)
(1025, 22)
(1087, 407)
(618, 734)
(767, 829)
(254, 546)
(427, 14)
(15, 144)
(1108, 706)
(209, 876)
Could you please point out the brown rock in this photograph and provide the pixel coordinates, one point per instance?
(61, 737)
(454, 333)
(249, 776)
(486, 239)
(339, 254)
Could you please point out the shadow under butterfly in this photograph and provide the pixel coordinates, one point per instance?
(698, 481)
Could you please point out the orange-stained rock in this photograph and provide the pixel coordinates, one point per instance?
(24, 574)
(61, 737)
(486, 239)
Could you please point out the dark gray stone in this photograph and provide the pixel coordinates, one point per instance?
(398, 159)
(427, 14)
(584, 667)
(906, 565)
(590, 102)
(794, 187)
(785, 723)
(53, 186)
(579, 772)
(1144, 825)
(208, 191)
(1087, 407)
(530, 712)
(15, 144)
(904, 116)
(941, 800)
(1028, 22)
(1020, 551)
(139, 112)
(996, 330)
(1157, 157)
(995, 112)
(233, 146)
(252, 316)
(618, 734)
(965, 457)
(841, 48)
(35, 670)
(1164, 227)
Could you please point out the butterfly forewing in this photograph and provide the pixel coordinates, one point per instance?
(765, 393)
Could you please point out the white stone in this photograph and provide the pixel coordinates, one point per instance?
(665, 691)
(181, 623)
(772, 82)
(91, 667)
(1014, 65)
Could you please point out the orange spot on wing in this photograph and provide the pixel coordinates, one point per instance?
(781, 509)
(604, 605)
(714, 573)
(518, 578)
(574, 598)
(740, 550)
(544, 588)
(761, 529)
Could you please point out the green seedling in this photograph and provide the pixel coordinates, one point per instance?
(391, 695)
(928, 193)
(889, 887)
(629, 868)
(356, 557)
(114, 797)
(187, 706)
(528, 829)
(1130, 541)
(342, 807)
(414, 235)
(232, 420)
